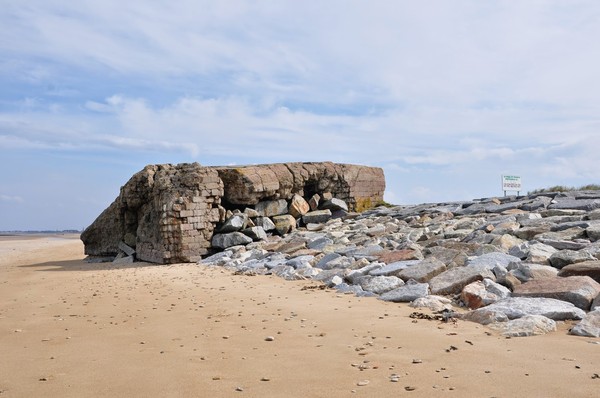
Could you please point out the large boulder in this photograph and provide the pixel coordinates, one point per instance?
(379, 284)
(566, 257)
(269, 208)
(490, 260)
(529, 325)
(423, 271)
(586, 268)
(482, 293)
(517, 307)
(407, 293)
(454, 280)
(223, 241)
(298, 206)
(589, 325)
(526, 272)
(578, 290)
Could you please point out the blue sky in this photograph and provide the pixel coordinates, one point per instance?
(445, 96)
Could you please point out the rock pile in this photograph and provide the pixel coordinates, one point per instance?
(519, 263)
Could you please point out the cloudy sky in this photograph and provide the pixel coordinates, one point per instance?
(445, 96)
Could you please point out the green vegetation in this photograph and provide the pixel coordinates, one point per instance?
(363, 204)
(384, 204)
(562, 188)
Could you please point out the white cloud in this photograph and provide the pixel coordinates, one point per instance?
(11, 198)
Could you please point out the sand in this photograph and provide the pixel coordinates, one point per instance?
(72, 329)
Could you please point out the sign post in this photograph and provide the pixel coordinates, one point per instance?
(511, 183)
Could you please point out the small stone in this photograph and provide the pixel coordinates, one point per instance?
(417, 361)
(410, 388)
(265, 379)
(269, 338)
(240, 389)
(362, 383)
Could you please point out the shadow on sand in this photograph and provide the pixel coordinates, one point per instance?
(82, 265)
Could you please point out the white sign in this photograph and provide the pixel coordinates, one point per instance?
(511, 183)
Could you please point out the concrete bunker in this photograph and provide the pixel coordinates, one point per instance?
(169, 213)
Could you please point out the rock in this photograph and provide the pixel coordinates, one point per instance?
(353, 276)
(491, 260)
(301, 261)
(313, 202)
(454, 280)
(255, 233)
(334, 204)
(251, 213)
(270, 208)
(286, 272)
(479, 294)
(370, 252)
(284, 224)
(570, 224)
(393, 268)
(319, 243)
(529, 233)
(517, 307)
(569, 203)
(578, 290)
(566, 235)
(526, 272)
(327, 276)
(223, 241)
(265, 223)
(400, 255)
(589, 325)
(379, 284)
(593, 232)
(434, 303)
(408, 292)
(298, 206)
(565, 244)
(125, 248)
(217, 259)
(450, 257)
(566, 257)
(506, 241)
(234, 223)
(589, 268)
(529, 325)
(316, 217)
(423, 271)
(124, 260)
(349, 289)
(540, 253)
(484, 317)
(324, 262)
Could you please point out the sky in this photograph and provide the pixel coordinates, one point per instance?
(445, 96)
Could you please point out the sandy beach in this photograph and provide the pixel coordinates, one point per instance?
(73, 329)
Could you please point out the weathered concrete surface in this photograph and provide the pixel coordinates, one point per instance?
(170, 210)
(360, 187)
